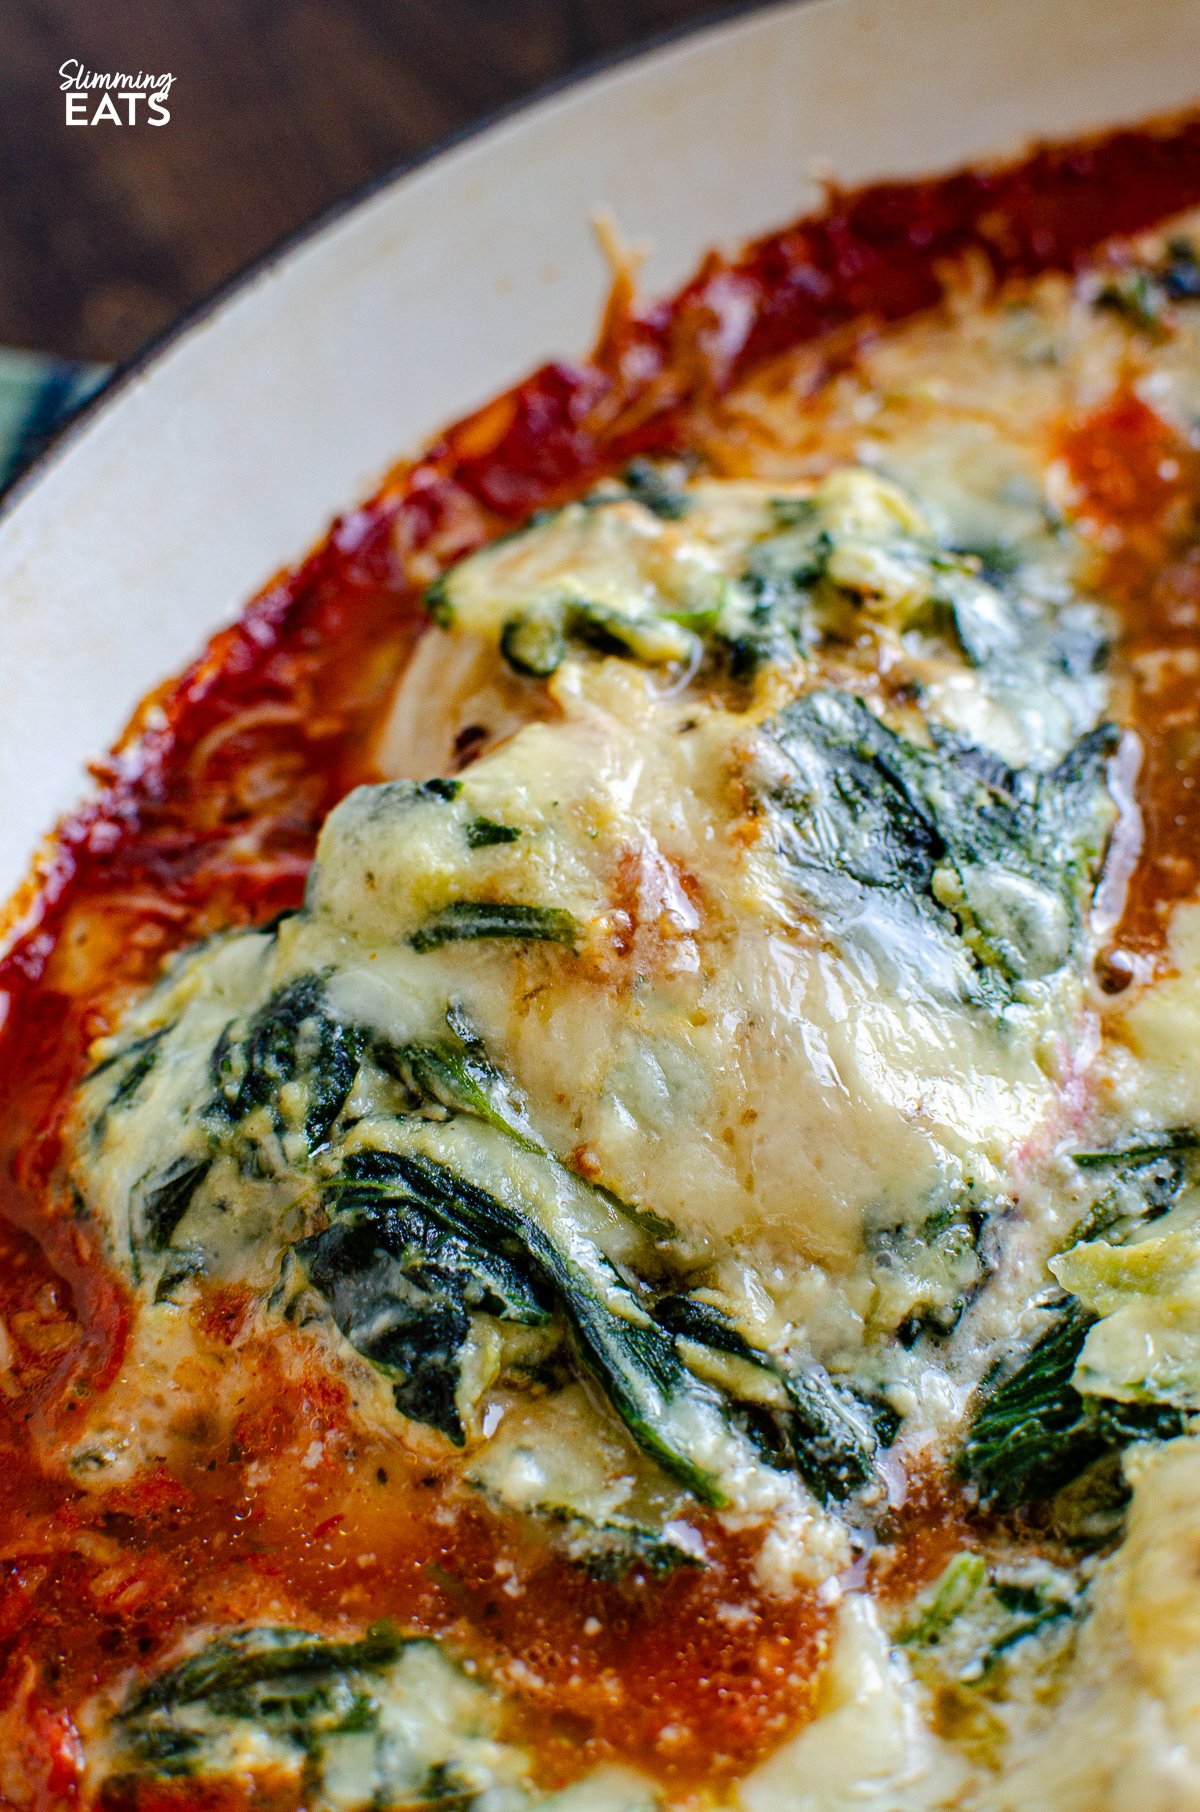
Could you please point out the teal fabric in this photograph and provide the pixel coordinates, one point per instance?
(37, 395)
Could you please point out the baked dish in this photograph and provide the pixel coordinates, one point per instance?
(603, 1118)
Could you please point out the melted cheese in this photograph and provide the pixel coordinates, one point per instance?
(724, 1064)
(869, 1747)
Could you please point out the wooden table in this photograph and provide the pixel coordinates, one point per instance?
(278, 108)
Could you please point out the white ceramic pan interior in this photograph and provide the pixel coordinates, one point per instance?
(222, 458)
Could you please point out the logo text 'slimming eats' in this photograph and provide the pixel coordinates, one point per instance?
(95, 97)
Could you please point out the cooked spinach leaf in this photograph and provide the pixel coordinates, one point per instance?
(389, 1284)
(386, 1720)
(949, 1596)
(1143, 1182)
(230, 1666)
(1181, 270)
(135, 1061)
(830, 1435)
(454, 1075)
(664, 1407)
(481, 833)
(437, 600)
(975, 1615)
(534, 640)
(534, 643)
(292, 1038)
(821, 1429)
(1031, 1609)
(771, 614)
(1167, 1144)
(183, 1264)
(437, 788)
(928, 1273)
(471, 920)
(1143, 294)
(1033, 1433)
(166, 1200)
(403, 1285)
(280, 1080)
(997, 562)
(610, 1550)
(652, 486)
(984, 872)
(1140, 297)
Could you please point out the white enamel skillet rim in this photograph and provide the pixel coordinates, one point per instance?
(220, 455)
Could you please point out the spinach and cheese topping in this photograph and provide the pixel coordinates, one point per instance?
(738, 577)
(694, 1125)
(350, 1111)
(1112, 1363)
(381, 1720)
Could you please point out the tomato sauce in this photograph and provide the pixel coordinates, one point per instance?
(1136, 483)
(206, 815)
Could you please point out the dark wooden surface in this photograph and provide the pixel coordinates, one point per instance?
(279, 107)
